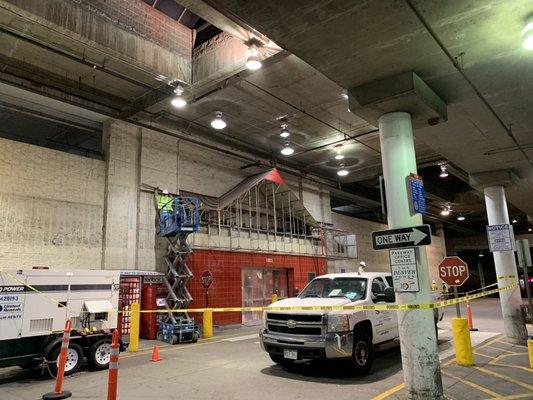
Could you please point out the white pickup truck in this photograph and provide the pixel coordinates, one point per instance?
(288, 336)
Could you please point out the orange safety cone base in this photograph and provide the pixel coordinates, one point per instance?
(155, 354)
(56, 396)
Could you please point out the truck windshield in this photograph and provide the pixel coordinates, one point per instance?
(351, 288)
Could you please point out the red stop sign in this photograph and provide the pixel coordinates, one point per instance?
(453, 271)
(206, 279)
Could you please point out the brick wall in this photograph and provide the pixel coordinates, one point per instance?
(226, 268)
(51, 206)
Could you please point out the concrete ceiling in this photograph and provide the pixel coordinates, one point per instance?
(358, 42)
(330, 45)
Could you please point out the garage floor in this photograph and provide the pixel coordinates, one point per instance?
(232, 366)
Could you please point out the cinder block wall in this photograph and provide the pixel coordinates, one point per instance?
(51, 208)
(68, 211)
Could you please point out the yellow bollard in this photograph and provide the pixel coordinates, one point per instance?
(135, 319)
(530, 351)
(461, 340)
(208, 323)
(274, 297)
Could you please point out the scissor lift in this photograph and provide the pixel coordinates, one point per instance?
(176, 225)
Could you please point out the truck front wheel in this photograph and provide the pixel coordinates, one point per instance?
(74, 359)
(363, 353)
(280, 360)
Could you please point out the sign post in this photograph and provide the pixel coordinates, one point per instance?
(454, 272)
(206, 281)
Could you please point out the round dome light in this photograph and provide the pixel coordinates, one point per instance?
(218, 122)
(284, 133)
(253, 63)
(287, 150)
(342, 171)
(178, 102)
(339, 157)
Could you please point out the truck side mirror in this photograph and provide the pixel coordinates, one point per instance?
(389, 295)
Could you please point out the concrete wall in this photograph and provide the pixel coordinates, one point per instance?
(145, 21)
(379, 260)
(107, 32)
(51, 208)
(68, 211)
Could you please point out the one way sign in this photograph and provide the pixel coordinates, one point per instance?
(403, 237)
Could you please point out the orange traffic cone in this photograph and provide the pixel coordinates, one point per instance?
(155, 354)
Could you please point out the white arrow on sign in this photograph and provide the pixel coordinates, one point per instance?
(415, 237)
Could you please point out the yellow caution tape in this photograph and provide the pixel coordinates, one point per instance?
(361, 307)
(507, 277)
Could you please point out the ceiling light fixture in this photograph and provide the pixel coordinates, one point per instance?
(253, 63)
(218, 122)
(443, 172)
(342, 171)
(338, 150)
(481, 254)
(514, 221)
(178, 101)
(284, 131)
(529, 229)
(446, 211)
(461, 218)
(287, 150)
(344, 94)
(527, 34)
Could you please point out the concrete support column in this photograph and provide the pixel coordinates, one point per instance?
(418, 341)
(122, 146)
(505, 264)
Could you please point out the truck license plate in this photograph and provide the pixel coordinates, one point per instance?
(290, 354)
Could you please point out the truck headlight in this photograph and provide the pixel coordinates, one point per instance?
(338, 323)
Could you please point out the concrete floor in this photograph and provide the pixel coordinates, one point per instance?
(232, 366)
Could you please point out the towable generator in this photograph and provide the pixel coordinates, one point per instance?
(34, 306)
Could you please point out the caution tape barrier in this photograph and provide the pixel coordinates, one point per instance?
(362, 307)
(508, 277)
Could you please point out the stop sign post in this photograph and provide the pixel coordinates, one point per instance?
(454, 272)
(206, 280)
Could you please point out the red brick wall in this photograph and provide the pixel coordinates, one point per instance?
(226, 267)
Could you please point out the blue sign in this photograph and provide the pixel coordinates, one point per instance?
(418, 196)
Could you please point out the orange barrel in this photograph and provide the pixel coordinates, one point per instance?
(149, 320)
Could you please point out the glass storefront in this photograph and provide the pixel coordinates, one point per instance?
(258, 285)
